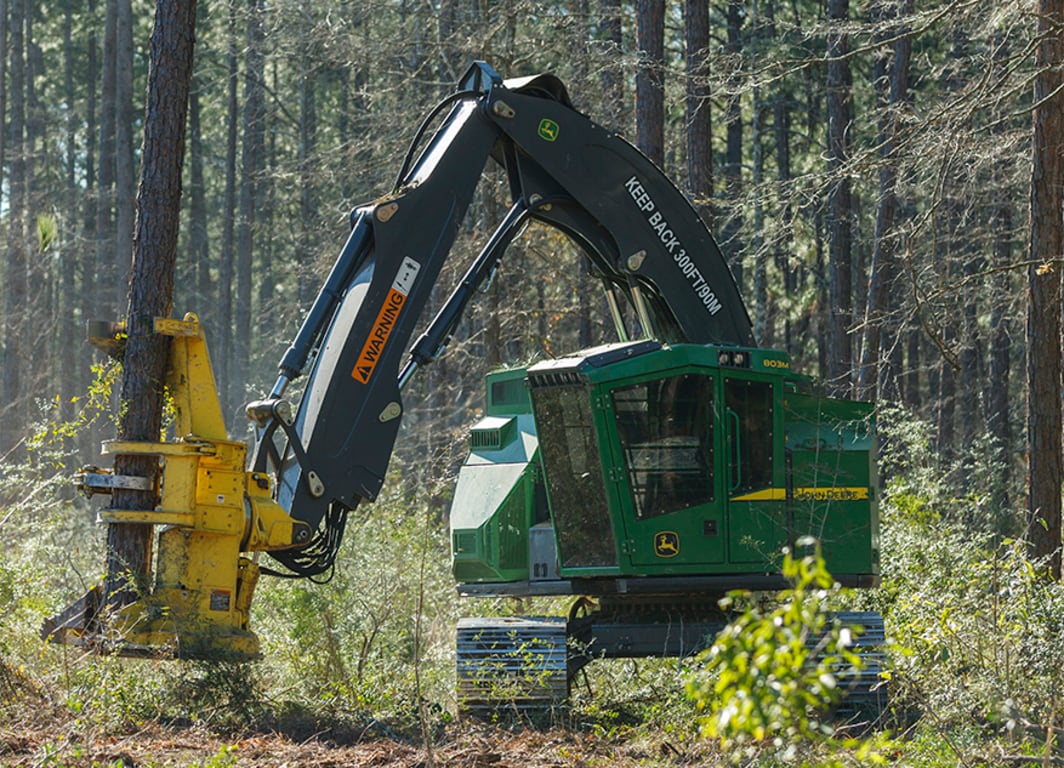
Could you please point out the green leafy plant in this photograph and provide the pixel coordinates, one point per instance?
(773, 675)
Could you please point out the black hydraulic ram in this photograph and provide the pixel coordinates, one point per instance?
(321, 312)
(434, 340)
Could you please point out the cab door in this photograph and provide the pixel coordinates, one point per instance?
(665, 447)
(755, 488)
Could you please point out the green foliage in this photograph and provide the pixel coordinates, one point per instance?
(980, 636)
(772, 676)
(925, 487)
(64, 422)
(225, 757)
(47, 232)
(977, 651)
(379, 635)
(977, 638)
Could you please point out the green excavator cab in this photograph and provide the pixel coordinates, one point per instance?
(663, 469)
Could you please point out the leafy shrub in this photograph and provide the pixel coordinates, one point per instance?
(772, 675)
(977, 636)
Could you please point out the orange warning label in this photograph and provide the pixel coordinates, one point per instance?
(386, 319)
(378, 336)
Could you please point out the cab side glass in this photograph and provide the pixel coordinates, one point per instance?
(666, 434)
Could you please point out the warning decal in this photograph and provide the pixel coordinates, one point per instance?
(386, 320)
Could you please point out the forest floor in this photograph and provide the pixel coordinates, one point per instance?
(46, 737)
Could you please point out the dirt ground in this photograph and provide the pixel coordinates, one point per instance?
(36, 740)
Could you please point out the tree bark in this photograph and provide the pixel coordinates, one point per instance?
(649, 79)
(90, 295)
(18, 205)
(840, 204)
(1045, 460)
(152, 284)
(69, 375)
(581, 9)
(787, 262)
(37, 284)
(731, 238)
(308, 148)
(610, 78)
(252, 155)
(105, 188)
(950, 247)
(125, 184)
(762, 311)
(4, 51)
(228, 259)
(891, 75)
(999, 367)
(697, 105)
(198, 240)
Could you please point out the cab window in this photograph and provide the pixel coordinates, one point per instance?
(666, 435)
(748, 410)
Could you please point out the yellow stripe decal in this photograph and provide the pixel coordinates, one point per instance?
(766, 494)
(824, 493)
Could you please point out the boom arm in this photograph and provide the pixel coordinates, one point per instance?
(641, 235)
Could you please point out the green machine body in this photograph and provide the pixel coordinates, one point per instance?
(642, 466)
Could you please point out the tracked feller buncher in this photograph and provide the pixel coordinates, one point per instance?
(645, 478)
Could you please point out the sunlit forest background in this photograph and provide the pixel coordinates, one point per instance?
(866, 169)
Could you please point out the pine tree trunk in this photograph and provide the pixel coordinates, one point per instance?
(107, 275)
(4, 51)
(764, 329)
(69, 375)
(787, 263)
(581, 53)
(125, 184)
(198, 240)
(1045, 460)
(731, 238)
(649, 79)
(913, 394)
(228, 259)
(252, 161)
(89, 297)
(152, 284)
(697, 105)
(891, 76)
(757, 162)
(610, 26)
(840, 206)
(15, 272)
(999, 368)
(37, 280)
(308, 147)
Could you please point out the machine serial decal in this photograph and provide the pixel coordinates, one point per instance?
(386, 320)
(806, 494)
(219, 600)
(548, 129)
(668, 238)
(666, 544)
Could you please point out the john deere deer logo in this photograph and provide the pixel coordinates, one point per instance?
(548, 129)
(666, 544)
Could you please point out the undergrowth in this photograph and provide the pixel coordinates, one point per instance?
(976, 640)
